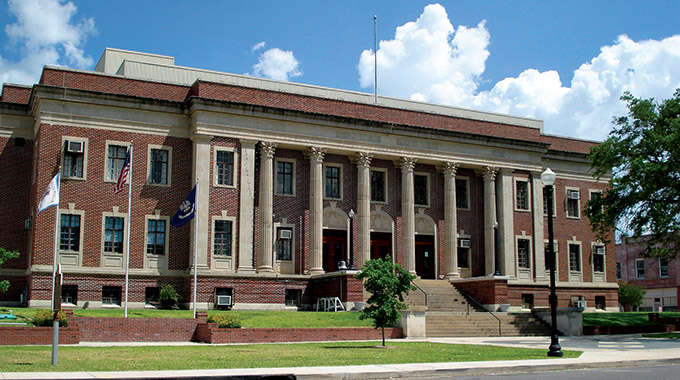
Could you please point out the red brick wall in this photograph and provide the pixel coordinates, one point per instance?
(23, 335)
(136, 329)
(210, 333)
(486, 292)
(542, 293)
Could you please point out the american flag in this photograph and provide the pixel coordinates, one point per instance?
(120, 184)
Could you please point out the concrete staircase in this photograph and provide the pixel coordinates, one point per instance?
(450, 314)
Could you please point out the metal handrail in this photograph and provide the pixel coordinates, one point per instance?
(424, 293)
(469, 297)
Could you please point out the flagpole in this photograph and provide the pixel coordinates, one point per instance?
(196, 247)
(127, 227)
(55, 323)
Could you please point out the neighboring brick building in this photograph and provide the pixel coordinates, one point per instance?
(280, 166)
(659, 276)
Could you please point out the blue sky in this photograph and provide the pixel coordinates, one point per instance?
(564, 62)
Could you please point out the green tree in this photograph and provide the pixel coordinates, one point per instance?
(642, 154)
(4, 256)
(387, 282)
(630, 295)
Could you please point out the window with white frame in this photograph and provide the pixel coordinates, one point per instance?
(285, 177)
(222, 237)
(524, 253)
(224, 167)
(156, 234)
(573, 203)
(378, 186)
(113, 234)
(521, 195)
(574, 257)
(159, 166)
(663, 267)
(462, 193)
(115, 158)
(618, 270)
(421, 189)
(640, 269)
(73, 158)
(596, 194)
(598, 258)
(69, 235)
(333, 181)
(284, 243)
(111, 295)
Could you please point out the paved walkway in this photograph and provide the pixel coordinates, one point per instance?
(598, 352)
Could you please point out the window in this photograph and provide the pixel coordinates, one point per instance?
(546, 246)
(74, 159)
(545, 203)
(574, 257)
(462, 199)
(522, 195)
(158, 167)
(69, 237)
(69, 294)
(293, 297)
(378, 193)
(663, 267)
(222, 238)
(596, 194)
(155, 237)
(618, 270)
(224, 168)
(151, 295)
(115, 158)
(284, 243)
(573, 204)
(640, 268)
(333, 181)
(420, 190)
(463, 254)
(598, 258)
(523, 253)
(285, 178)
(111, 295)
(527, 301)
(600, 302)
(113, 234)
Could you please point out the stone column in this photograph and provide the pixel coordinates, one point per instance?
(408, 217)
(489, 174)
(265, 262)
(450, 220)
(316, 156)
(539, 239)
(506, 229)
(363, 218)
(202, 175)
(247, 206)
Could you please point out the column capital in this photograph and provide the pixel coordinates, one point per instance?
(407, 164)
(449, 168)
(488, 172)
(314, 153)
(267, 149)
(363, 159)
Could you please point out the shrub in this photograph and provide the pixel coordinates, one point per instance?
(45, 318)
(168, 297)
(225, 321)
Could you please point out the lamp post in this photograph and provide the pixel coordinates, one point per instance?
(548, 179)
(351, 238)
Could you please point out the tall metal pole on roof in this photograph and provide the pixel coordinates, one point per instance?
(375, 57)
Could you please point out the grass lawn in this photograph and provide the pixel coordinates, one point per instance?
(622, 319)
(37, 358)
(671, 335)
(253, 319)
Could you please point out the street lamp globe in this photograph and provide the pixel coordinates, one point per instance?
(548, 177)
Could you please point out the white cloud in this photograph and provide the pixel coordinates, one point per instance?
(429, 60)
(277, 64)
(44, 35)
(258, 46)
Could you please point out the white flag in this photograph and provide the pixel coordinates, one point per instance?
(51, 196)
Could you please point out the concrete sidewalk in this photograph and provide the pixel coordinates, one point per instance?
(598, 352)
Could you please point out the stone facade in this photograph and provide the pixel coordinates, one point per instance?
(448, 193)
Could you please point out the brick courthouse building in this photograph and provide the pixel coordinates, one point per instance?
(449, 193)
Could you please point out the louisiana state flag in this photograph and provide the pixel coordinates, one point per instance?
(186, 210)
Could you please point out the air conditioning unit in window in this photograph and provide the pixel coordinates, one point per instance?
(465, 243)
(285, 234)
(223, 300)
(581, 304)
(599, 250)
(75, 146)
(571, 194)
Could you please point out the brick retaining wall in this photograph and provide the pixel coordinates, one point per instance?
(22, 335)
(210, 333)
(136, 329)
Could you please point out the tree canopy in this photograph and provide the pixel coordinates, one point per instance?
(387, 282)
(630, 296)
(4, 256)
(642, 154)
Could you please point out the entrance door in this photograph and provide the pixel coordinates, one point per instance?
(334, 248)
(425, 256)
(381, 245)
